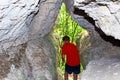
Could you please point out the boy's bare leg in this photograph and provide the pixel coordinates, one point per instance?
(66, 75)
(74, 76)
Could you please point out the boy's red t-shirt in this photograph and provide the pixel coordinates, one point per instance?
(72, 54)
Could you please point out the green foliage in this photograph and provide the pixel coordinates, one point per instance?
(65, 26)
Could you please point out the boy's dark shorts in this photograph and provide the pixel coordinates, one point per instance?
(74, 69)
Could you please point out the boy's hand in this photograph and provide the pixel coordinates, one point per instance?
(63, 60)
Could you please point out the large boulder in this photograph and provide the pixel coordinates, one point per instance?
(106, 14)
(25, 52)
(102, 69)
(101, 20)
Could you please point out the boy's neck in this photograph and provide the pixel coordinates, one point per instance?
(66, 41)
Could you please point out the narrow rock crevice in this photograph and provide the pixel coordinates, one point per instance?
(85, 15)
(112, 40)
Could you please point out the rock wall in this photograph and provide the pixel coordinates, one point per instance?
(32, 61)
(101, 19)
(44, 20)
(26, 52)
(15, 20)
(103, 69)
(105, 14)
(41, 56)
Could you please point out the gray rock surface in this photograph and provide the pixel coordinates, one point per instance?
(32, 61)
(41, 57)
(102, 69)
(15, 17)
(27, 22)
(44, 20)
(105, 14)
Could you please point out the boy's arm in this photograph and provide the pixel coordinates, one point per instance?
(63, 59)
(63, 55)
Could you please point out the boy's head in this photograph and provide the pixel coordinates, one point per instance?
(66, 38)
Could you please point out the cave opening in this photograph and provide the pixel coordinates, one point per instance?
(65, 25)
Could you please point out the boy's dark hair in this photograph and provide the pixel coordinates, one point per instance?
(66, 38)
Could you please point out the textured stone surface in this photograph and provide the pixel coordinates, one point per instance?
(32, 61)
(98, 17)
(103, 69)
(102, 23)
(41, 56)
(15, 17)
(104, 13)
(18, 68)
(21, 21)
(44, 20)
(15, 20)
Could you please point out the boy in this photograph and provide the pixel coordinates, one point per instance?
(70, 51)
